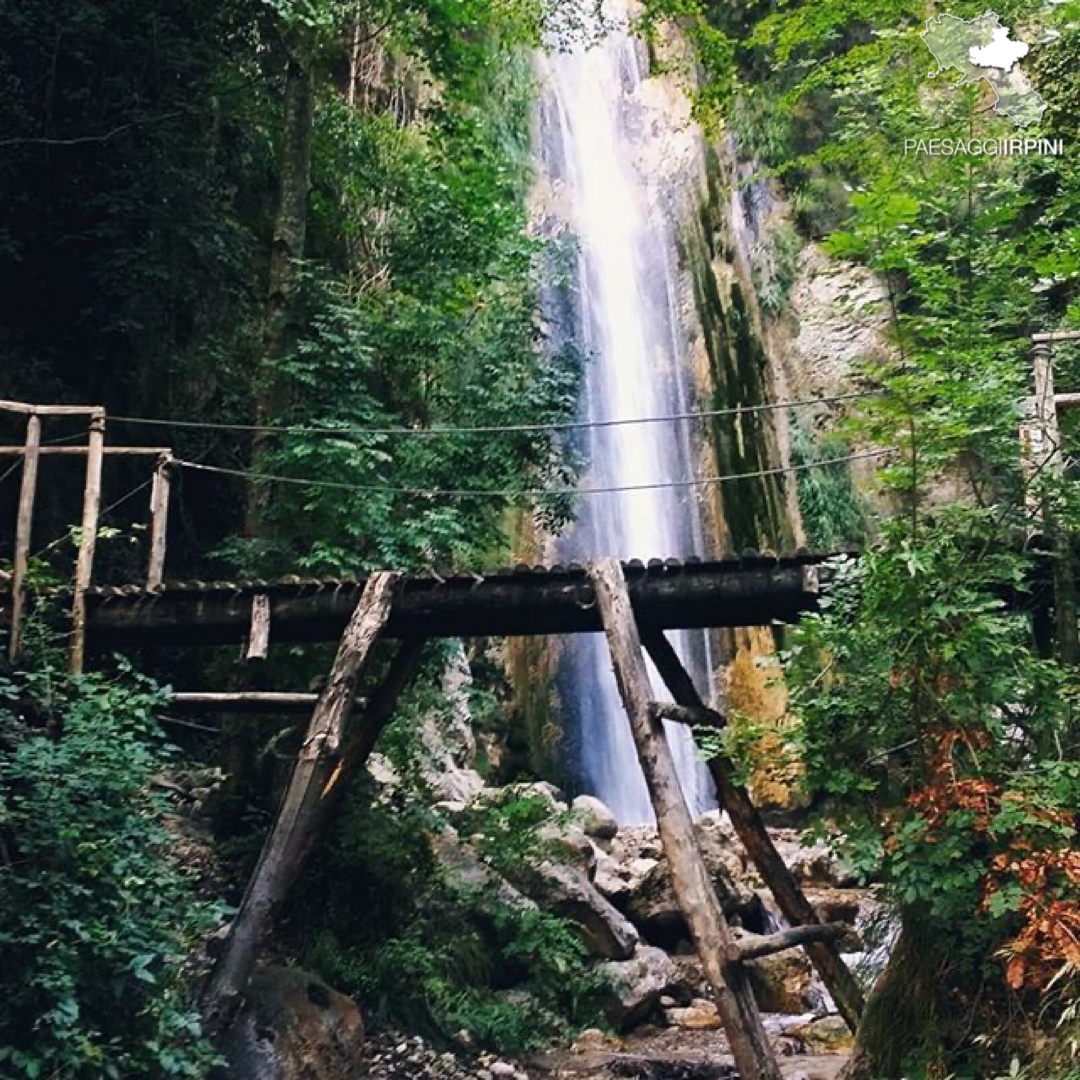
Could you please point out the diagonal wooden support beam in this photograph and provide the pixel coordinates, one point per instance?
(715, 943)
(317, 764)
(751, 830)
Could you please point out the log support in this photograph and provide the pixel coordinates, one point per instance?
(84, 566)
(259, 636)
(243, 701)
(747, 822)
(713, 939)
(24, 524)
(315, 775)
(159, 519)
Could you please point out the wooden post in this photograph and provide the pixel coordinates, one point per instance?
(84, 566)
(755, 838)
(259, 636)
(24, 525)
(716, 946)
(159, 520)
(289, 840)
(1047, 453)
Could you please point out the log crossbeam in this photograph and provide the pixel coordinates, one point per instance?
(792, 938)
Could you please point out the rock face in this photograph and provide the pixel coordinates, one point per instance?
(294, 1027)
(635, 986)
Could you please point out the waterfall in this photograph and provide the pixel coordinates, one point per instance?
(625, 317)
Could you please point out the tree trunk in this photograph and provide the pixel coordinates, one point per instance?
(904, 1013)
(716, 946)
(751, 830)
(317, 765)
(287, 245)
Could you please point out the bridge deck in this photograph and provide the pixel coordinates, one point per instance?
(752, 590)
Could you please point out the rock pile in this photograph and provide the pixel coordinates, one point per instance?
(613, 885)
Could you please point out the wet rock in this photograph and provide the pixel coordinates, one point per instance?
(635, 986)
(594, 817)
(294, 1027)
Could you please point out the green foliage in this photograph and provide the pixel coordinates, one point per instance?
(97, 919)
(936, 740)
(383, 922)
(775, 266)
(833, 515)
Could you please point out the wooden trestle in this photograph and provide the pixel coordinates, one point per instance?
(607, 596)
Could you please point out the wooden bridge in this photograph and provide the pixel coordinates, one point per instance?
(754, 589)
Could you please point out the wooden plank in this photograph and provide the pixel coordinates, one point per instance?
(49, 410)
(243, 701)
(297, 817)
(750, 828)
(82, 451)
(259, 634)
(159, 519)
(557, 602)
(24, 524)
(84, 566)
(713, 939)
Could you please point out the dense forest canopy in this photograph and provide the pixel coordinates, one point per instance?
(300, 235)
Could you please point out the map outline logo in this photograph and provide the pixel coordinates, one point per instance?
(981, 49)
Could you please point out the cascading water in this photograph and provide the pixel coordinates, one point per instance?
(625, 318)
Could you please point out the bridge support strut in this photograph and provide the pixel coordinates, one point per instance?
(735, 799)
(713, 938)
(316, 777)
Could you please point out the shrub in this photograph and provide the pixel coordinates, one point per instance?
(96, 919)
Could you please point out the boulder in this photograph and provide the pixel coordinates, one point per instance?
(539, 789)
(634, 876)
(700, 1015)
(785, 983)
(593, 1040)
(566, 891)
(594, 817)
(464, 870)
(826, 1035)
(293, 1027)
(568, 843)
(633, 987)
